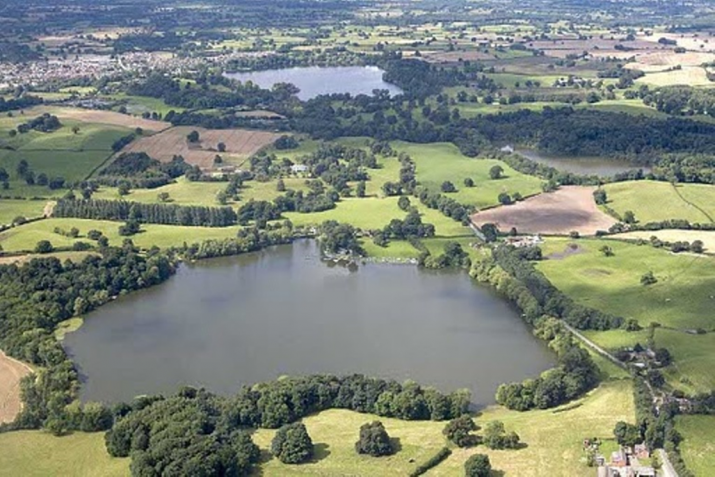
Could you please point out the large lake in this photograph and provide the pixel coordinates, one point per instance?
(600, 166)
(315, 80)
(224, 323)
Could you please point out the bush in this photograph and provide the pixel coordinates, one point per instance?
(433, 461)
(496, 437)
(478, 465)
(458, 431)
(44, 246)
(648, 279)
(374, 440)
(292, 444)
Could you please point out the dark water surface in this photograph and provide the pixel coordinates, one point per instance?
(600, 166)
(316, 80)
(233, 321)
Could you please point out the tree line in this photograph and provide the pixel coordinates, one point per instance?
(168, 214)
(42, 293)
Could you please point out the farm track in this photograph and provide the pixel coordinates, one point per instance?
(695, 206)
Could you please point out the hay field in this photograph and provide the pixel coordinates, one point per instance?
(240, 145)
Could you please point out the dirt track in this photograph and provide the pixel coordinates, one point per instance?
(571, 208)
(11, 371)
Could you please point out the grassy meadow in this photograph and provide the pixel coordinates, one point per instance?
(698, 448)
(9, 209)
(24, 237)
(40, 454)
(680, 299)
(546, 433)
(652, 201)
(439, 162)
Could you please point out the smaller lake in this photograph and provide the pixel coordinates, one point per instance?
(228, 322)
(316, 80)
(600, 166)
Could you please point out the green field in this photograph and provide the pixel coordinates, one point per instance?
(656, 201)
(553, 440)
(185, 192)
(60, 153)
(334, 432)
(9, 209)
(25, 237)
(374, 213)
(693, 358)
(681, 298)
(39, 454)
(439, 162)
(698, 448)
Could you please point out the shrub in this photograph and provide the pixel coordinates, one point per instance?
(374, 440)
(478, 465)
(44, 246)
(458, 431)
(292, 444)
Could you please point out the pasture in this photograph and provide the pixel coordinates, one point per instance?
(185, 192)
(374, 213)
(558, 213)
(681, 298)
(61, 153)
(24, 237)
(439, 162)
(652, 201)
(334, 432)
(240, 145)
(10, 209)
(40, 454)
(698, 446)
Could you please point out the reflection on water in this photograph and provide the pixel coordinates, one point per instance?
(227, 322)
(599, 166)
(315, 80)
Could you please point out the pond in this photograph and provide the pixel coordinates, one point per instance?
(600, 166)
(228, 322)
(315, 80)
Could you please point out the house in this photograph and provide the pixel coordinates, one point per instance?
(640, 451)
(526, 241)
(507, 149)
(298, 168)
(619, 458)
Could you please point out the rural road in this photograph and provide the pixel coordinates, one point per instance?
(666, 469)
(594, 346)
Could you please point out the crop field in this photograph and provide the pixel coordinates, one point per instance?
(674, 235)
(40, 454)
(24, 237)
(687, 75)
(569, 208)
(109, 118)
(240, 144)
(656, 201)
(11, 372)
(698, 448)
(439, 162)
(681, 298)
